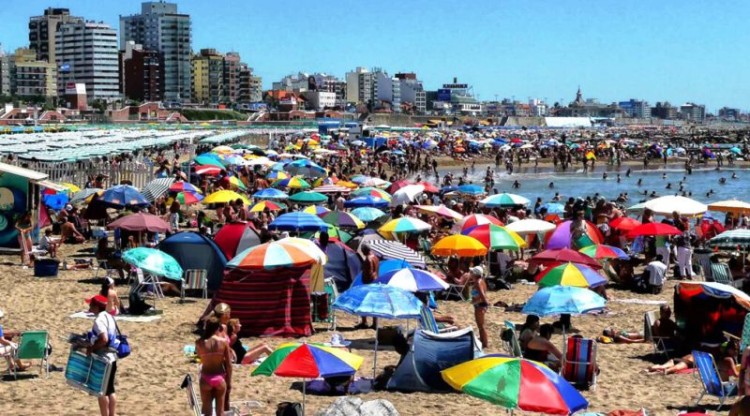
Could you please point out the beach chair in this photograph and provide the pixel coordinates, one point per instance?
(712, 384)
(104, 270)
(579, 362)
(721, 274)
(194, 279)
(745, 340)
(235, 408)
(427, 322)
(34, 345)
(143, 281)
(660, 343)
(329, 286)
(511, 342)
(704, 261)
(456, 290)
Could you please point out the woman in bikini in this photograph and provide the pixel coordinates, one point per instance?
(114, 306)
(479, 300)
(216, 366)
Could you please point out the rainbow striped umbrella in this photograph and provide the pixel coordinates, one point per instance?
(496, 237)
(370, 191)
(294, 182)
(189, 198)
(570, 274)
(603, 251)
(440, 210)
(272, 206)
(515, 383)
(403, 225)
(342, 219)
(316, 210)
(236, 183)
(473, 220)
(184, 186)
(273, 255)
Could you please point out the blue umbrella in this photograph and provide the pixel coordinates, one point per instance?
(154, 261)
(305, 167)
(55, 201)
(270, 193)
(449, 188)
(367, 214)
(413, 280)
(736, 150)
(556, 300)
(298, 221)
(209, 159)
(366, 201)
(471, 189)
(554, 208)
(124, 196)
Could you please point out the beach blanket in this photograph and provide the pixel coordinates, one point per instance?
(123, 318)
(320, 387)
(640, 301)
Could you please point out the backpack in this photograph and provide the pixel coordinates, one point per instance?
(289, 409)
(136, 304)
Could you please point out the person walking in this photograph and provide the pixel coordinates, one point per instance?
(104, 344)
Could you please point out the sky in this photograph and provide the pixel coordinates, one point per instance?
(666, 50)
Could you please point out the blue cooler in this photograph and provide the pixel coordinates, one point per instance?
(46, 268)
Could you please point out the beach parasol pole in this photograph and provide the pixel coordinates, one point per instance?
(304, 394)
(375, 361)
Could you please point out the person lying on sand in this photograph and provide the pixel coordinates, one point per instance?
(623, 337)
(725, 364)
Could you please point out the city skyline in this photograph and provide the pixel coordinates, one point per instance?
(670, 51)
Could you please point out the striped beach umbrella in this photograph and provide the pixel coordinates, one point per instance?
(495, 237)
(603, 251)
(182, 186)
(316, 210)
(413, 280)
(570, 274)
(388, 249)
(271, 256)
(504, 200)
(403, 225)
(473, 220)
(342, 219)
(370, 191)
(154, 189)
(298, 221)
(270, 205)
(731, 239)
(292, 183)
(368, 214)
(441, 211)
(189, 198)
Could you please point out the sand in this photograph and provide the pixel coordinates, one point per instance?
(148, 381)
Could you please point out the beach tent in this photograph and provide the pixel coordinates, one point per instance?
(343, 264)
(705, 310)
(268, 302)
(196, 251)
(235, 237)
(428, 355)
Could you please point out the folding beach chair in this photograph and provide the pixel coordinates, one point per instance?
(456, 290)
(104, 270)
(660, 343)
(235, 408)
(712, 384)
(510, 340)
(721, 274)
(704, 261)
(194, 279)
(579, 362)
(34, 345)
(427, 322)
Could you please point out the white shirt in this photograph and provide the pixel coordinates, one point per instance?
(105, 323)
(656, 272)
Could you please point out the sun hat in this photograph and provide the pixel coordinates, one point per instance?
(477, 270)
(102, 300)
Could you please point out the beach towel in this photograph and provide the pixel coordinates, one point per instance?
(122, 318)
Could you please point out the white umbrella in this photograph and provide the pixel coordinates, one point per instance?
(666, 205)
(406, 194)
(530, 226)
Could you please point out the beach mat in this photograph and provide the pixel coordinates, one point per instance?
(321, 388)
(123, 318)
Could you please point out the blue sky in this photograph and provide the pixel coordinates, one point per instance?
(655, 50)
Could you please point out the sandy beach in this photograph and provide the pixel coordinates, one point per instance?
(148, 381)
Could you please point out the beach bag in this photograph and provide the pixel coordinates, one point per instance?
(122, 344)
(289, 409)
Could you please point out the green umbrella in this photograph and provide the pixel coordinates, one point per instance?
(207, 160)
(154, 261)
(308, 197)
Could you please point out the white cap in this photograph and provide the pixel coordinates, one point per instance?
(477, 270)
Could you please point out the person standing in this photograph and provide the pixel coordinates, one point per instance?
(24, 225)
(104, 343)
(370, 266)
(479, 301)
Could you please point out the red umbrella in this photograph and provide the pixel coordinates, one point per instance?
(653, 228)
(429, 188)
(624, 223)
(141, 222)
(208, 170)
(395, 186)
(565, 255)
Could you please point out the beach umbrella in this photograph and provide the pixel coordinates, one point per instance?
(515, 384)
(429, 188)
(565, 255)
(732, 205)
(473, 220)
(270, 193)
(124, 196)
(666, 205)
(562, 237)
(366, 201)
(236, 183)
(472, 190)
(182, 186)
(495, 237)
(273, 255)
(305, 167)
(368, 214)
(504, 200)
(208, 170)
(309, 246)
(557, 300)
(225, 197)
(84, 194)
(189, 198)
(389, 249)
(395, 186)
(209, 159)
(376, 182)
(653, 229)
(342, 220)
(308, 197)
(603, 251)
(292, 183)
(553, 208)
(570, 274)
(334, 233)
(459, 245)
(347, 184)
(440, 210)
(308, 361)
(154, 261)
(403, 225)
(298, 221)
(406, 195)
(379, 301)
(55, 201)
(276, 175)
(731, 239)
(413, 280)
(316, 210)
(223, 150)
(530, 226)
(234, 160)
(378, 193)
(270, 205)
(72, 188)
(333, 189)
(624, 224)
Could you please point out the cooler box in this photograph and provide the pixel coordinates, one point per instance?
(46, 268)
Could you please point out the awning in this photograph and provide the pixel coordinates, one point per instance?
(51, 185)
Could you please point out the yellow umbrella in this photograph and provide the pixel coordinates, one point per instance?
(223, 150)
(225, 197)
(71, 187)
(459, 245)
(403, 225)
(731, 205)
(347, 184)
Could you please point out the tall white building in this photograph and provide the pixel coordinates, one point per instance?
(359, 86)
(387, 89)
(86, 52)
(161, 28)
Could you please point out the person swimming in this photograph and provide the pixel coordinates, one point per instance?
(664, 176)
(618, 178)
(734, 175)
(669, 185)
(516, 184)
(551, 185)
(627, 174)
(604, 176)
(722, 180)
(640, 181)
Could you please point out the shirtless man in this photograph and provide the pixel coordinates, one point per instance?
(70, 234)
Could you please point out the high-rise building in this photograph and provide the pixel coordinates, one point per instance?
(208, 77)
(412, 92)
(86, 52)
(693, 112)
(5, 64)
(141, 73)
(232, 67)
(42, 31)
(359, 85)
(635, 108)
(161, 28)
(31, 77)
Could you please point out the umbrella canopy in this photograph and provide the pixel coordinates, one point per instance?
(305, 167)
(308, 197)
(624, 224)
(342, 219)
(380, 301)
(553, 208)
(570, 274)
(666, 205)
(603, 251)
(440, 210)
(413, 280)
(333, 189)
(376, 192)
(154, 261)
(459, 245)
(189, 198)
(395, 186)
(209, 170)
(140, 222)
(309, 246)
(298, 221)
(556, 300)
(368, 214)
(562, 236)
(653, 228)
(473, 220)
(732, 205)
(273, 255)
(156, 188)
(403, 225)
(72, 188)
(209, 159)
(270, 205)
(270, 193)
(388, 249)
(563, 256)
(472, 190)
(504, 200)
(316, 210)
(530, 226)
(225, 197)
(183, 187)
(515, 383)
(731, 239)
(292, 183)
(406, 195)
(302, 360)
(366, 201)
(495, 237)
(84, 194)
(124, 196)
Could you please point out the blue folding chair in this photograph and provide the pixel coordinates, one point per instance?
(712, 384)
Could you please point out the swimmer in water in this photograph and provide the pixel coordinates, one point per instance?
(516, 184)
(551, 185)
(734, 175)
(722, 180)
(627, 174)
(604, 176)
(618, 178)
(640, 181)
(669, 185)
(664, 176)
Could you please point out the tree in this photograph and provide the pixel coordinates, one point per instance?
(99, 105)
